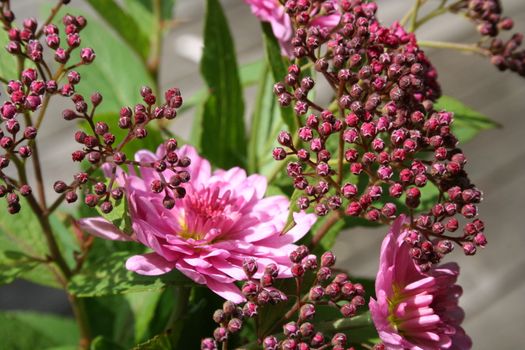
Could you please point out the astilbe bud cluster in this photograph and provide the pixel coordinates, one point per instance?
(33, 88)
(101, 148)
(490, 22)
(373, 152)
(316, 285)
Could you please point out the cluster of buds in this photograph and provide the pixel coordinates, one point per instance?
(100, 147)
(489, 19)
(487, 14)
(323, 289)
(31, 89)
(24, 97)
(259, 292)
(381, 127)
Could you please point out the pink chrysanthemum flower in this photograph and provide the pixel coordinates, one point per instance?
(222, 220)
(273, 11)
(416, 310)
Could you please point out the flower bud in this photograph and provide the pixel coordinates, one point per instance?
(234, 325)
(71, 197)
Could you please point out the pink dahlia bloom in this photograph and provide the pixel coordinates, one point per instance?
(273, 11)
(223, 219)
(416, 310)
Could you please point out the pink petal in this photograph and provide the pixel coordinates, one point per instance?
(190, 272)
(150, 264)
(102, 228)
(226, 290)
(303, 224)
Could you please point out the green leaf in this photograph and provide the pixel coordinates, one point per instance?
(118, 216)
(21, 236)
(250, 73)
(266, 124)
(111, 318)
(279, 68)
(23, 330)
(144, 9)
(159, 342)
(103, 343)
(109, 276)
(124, 24)
(13, 264)
(143, 306)
(118, 73)
(66, 240)
(8, 62)
(223, 139)
(467, 122)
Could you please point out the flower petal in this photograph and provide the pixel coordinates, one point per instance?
(150, 264)
(102, 228)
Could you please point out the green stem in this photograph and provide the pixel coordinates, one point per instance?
(415, 12)
(473, 48)
(440, 10)
(52, 15)
(37, 167)
(79, 310)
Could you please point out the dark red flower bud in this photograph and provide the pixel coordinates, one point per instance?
(106, 207)
(25, 190)
(71, 197)
(91, 200)
(81, 178)
(93, 157)
(78, 156)
(61, 55)
(25, 151)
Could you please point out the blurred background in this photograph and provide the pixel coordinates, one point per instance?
(493, 281)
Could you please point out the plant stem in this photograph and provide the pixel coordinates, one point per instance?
(52, 15)
(327, 225)
(454, 46)
(440, 10)
(415, 12)
(79, 310)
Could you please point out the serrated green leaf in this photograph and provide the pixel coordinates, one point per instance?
(124, 24)
(223, 139)
(278, 65)
(118, 216)
(22, 235)
(467, 122)
(23, 330)
(109, 276)
(14, 264)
